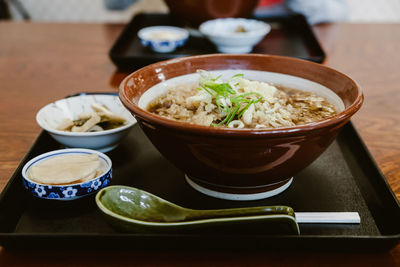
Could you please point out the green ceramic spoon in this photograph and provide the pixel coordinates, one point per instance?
(134, 209)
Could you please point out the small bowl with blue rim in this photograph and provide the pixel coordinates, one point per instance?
(163, 39)
(69, 191)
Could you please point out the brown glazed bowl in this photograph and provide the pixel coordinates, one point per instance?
(194, 12)
(241, 164)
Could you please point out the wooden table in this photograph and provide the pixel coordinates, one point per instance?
(40, 63)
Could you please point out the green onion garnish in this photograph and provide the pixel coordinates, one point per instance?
(226, 98)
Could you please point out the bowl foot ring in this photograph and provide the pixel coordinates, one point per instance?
(239, 196)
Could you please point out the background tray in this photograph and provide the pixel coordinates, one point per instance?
(290, 36)
(344, 178)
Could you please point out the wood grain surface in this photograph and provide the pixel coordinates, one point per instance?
(40, 63)
(370, 55)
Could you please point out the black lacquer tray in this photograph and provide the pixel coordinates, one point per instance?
(344, 178)
(291, 36)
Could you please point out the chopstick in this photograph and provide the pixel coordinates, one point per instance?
(328, 217)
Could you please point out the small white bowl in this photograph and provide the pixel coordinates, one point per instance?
(222, 32)
(69, 191)
(163, 39)
(51, 116)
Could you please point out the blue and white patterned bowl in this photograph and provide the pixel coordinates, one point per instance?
(163, 39)
(70, 191)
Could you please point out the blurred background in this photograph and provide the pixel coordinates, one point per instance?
(106, 11)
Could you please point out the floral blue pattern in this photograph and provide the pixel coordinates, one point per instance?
(53, 195)
(163, 45)
(106, 182)
(68, 192)
(96, 184)
(39, 190)
(31, 185)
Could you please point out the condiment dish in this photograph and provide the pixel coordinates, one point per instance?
(235, 35)
(163, 39)
(53, 114)
(70, 191)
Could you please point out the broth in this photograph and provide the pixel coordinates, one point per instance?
(240, 103)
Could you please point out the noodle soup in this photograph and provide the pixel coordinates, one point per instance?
(239, 163)
(239, 102)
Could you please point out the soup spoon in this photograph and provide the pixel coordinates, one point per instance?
(137, 210)
(133, 209)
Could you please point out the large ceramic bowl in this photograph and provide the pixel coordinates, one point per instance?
(241, 164)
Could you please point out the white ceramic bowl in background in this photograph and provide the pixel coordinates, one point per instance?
(163, 39)
(222, 32)
(69, 191)
(51, 116)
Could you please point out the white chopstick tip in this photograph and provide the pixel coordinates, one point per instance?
(328, 217)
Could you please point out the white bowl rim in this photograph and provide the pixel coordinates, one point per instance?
(55, 153)
(141, 32)
(266, 28)
(82, 134)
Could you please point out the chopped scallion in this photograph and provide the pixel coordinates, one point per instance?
(222, 91)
